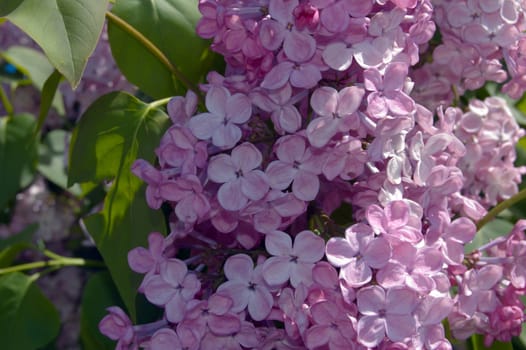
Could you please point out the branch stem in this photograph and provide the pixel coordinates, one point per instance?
(5, 101)
(154, 50)
(62, 262)
(501, 207)
(159, 103)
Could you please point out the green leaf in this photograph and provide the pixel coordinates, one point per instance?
(169, 25)
(519, 343)
(17, 154)
(110, 135)
(522, 337)
(11, 246)
(8, 6)
(343, 215)
(31, 62)
(35, 66)
(67, 30)
(28, 320)
(51, 161)
(11, 78)
(47, 98)
(521, 107)
(23, 236)
(116, 130)
(477, 343)
(520, 149)
(489, 232)
(99, 294)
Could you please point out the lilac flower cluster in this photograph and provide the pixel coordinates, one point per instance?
(481, 41)
(315, 112)
(490, 135)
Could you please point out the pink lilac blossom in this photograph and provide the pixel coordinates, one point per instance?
(187, 191)
(330, 327)
(246, 287)
(336, 110)
(118, 326)
(487, 292)
(385, 313)
(172, 288)
(220, 124)
(358, 254)
(490, 133)
(297, 165)
(213, 314)
(241, 181)
(477, 36)
(323, 108)
(148, 261)
(292, 262)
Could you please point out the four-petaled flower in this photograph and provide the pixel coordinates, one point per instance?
(385, 313)
(291, 262)
(240, 179)
(246, 287)
(172, 289)
(225, 113)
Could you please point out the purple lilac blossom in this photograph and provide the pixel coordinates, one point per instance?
(308, 82)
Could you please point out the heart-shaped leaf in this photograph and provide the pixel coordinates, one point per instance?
(67, 30)
(8, 6)
(170, 26)
(36, 67)
(116, 130)
(17, 154)
(51, 156)
(28, 320)
(11, 246)
(99, 294)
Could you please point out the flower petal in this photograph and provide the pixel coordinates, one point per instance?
(260, 304)
(280, 174)
(309, 247)
(239, 267)
(204, 125)
(238, 109)
(278, 243)
(305, 186)
(371, 331)
(216, 99)
(276, 270)
(299, 46)
(231, 197)
(222, 169)
(399, 327)
(278, 76)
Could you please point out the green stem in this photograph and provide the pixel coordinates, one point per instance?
(501, 207)
(51, 263)
(39, 274)
(154, 50)
(5, 101)
(52, 255)
(456, 97)
(159, 103)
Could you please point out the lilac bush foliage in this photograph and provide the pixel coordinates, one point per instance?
(56, 214)
(100, 77)
(327, 103)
